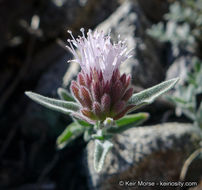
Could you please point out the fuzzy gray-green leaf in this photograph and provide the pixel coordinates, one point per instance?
(100, 153)
(65, 95)
(57, 105)
(149, 95)
(71, 132)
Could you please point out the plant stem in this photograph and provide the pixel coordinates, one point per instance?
(187, 163)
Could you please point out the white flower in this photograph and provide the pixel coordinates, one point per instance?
(97, 52)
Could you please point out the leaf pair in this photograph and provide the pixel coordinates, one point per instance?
(76, 128)
(68, 106)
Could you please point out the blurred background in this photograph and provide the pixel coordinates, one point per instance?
(166, 36)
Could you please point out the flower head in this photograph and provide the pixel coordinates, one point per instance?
(100, 89)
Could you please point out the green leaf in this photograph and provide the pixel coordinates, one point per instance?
(98, 137)
(71, 132)
(82, 122)
(65, 95)
(100, 153)
(127, 122)
(149, 95)
(57, 105)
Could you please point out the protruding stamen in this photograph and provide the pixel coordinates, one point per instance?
(70, 32)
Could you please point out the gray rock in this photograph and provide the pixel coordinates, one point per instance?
(150, 153)
(154, 9)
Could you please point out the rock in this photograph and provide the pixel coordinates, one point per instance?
(151, 153)
(154, 9)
